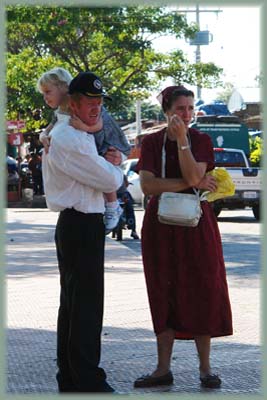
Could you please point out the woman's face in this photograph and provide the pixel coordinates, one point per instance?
(183, 106)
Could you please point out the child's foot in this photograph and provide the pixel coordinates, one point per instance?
(112, 217)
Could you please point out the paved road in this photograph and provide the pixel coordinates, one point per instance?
(128, 340)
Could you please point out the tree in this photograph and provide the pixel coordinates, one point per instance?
(115, 43)
(259, 79)
(226, 93)
(152, 111)
(256, 145)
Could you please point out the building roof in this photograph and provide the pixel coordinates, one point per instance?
(250, 95)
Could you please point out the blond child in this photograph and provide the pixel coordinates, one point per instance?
(54, 86)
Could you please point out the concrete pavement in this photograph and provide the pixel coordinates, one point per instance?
(128, 345)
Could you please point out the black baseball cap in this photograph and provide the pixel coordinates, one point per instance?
(88, 84)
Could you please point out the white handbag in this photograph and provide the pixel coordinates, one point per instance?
(182, 209)
(179, 209)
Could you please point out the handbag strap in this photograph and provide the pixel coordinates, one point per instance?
(163, 156)
(163, 163)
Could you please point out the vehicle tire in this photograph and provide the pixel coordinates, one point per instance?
(256, 212)
(216, 209)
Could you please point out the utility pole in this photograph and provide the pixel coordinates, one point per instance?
(138, 117)
(198, 56)
(202, 37)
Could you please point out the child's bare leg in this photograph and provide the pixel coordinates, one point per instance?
(110, 197)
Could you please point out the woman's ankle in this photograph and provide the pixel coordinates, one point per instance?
(161, 371)
(203, 371)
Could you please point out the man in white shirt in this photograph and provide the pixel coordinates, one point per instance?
(75, 177)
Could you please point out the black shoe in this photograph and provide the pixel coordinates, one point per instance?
(65, 385)
(105, 388)
(148, 380)
(67, 388)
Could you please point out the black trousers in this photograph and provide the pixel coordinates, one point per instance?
(38, 184)
(80, 242)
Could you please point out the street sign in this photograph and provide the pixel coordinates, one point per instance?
(15, 139)
(16, 124)
(201, 38)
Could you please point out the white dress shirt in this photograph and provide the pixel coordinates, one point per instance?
(74, 175)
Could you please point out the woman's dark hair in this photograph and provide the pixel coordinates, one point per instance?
(170, 98)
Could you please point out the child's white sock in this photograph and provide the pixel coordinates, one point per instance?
(112, 204)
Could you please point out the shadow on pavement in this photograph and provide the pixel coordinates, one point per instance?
(127, 354)
(242, 255)
(18, 233)
(240, 219)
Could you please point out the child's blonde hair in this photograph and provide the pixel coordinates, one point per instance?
(56, 76)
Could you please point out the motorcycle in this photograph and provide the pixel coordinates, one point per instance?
(26, 177)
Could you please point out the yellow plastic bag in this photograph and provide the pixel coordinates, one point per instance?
(225, 185)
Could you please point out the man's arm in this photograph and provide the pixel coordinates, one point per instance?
(80, 160)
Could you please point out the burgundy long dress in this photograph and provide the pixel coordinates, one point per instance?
(184, 266)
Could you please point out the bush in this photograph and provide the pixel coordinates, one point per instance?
(255, 151)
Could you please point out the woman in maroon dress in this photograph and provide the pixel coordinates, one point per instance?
(184, 266)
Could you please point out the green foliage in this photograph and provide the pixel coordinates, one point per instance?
(152, 111)
(115, 43)
(226, 93)
(256, 145)
(259, 79)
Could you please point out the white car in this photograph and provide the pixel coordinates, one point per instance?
(128, 167)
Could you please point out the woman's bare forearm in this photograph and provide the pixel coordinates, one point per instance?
(152, 185)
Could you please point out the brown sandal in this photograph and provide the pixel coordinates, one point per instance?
(211, 381)
(148, 380)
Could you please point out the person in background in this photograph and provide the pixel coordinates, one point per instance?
(128, 205)
(53, 85)
(35, 166)
(19, 161)
(184, 266)
(26, 158)
(12, 171)
(75, 177)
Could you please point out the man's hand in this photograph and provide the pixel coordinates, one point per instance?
(208, 182)
(113, 156)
